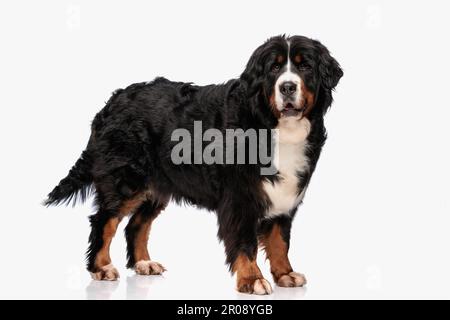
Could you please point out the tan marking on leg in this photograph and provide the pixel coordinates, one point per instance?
(142, 234)
(248, 276)
(277, 253)
(104, 270)
(143, 224)
(103, 258)
(141, 239)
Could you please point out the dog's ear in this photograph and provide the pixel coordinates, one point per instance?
(329, 70)
(254, 71)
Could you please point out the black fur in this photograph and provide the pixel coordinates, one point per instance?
(130, 146)
(77, 184)
(98, 222)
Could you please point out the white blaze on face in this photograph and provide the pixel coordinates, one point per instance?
(288, 76)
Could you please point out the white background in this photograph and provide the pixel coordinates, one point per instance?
(375, 223)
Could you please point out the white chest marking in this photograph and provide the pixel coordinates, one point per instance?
(290, 159)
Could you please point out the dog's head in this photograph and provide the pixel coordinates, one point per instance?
(290, 74)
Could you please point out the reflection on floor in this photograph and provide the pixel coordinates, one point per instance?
(138, 288)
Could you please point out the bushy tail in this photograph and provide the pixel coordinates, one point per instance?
(76, 186)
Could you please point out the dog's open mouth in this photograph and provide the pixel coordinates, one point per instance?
(290, 110)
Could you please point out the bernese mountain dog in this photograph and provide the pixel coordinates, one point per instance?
(286, 88)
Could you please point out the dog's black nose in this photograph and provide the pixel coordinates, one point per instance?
(288, 88)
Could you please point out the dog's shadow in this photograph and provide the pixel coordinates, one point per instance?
(279, 293)
(137, 288)
(290, 293)
(101, 290)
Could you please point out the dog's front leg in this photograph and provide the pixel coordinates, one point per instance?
(275, 238)
(238, 230)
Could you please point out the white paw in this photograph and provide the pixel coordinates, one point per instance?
(108, 272)
(292, 279)
(147, 267)
(262, 286)
(258, 286)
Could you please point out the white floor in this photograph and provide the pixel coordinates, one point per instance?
(338, 260)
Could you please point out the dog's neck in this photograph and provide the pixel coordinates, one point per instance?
(292, 130)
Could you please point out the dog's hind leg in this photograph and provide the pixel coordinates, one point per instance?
(137, 233)
(104, 225)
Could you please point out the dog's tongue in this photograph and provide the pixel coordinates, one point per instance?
(288, 112)
(289, 106)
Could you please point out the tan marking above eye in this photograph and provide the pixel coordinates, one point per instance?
(280, 58)
(297, 59)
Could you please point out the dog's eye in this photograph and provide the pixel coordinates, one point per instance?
(303, 66)
(276, 67)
